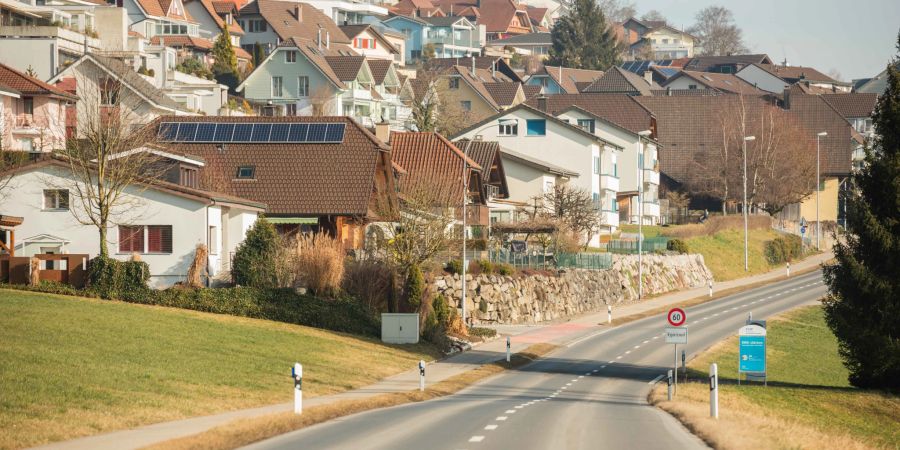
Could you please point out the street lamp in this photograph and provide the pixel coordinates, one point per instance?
(640, 187)
(744, 206)
(465, 195)
(818, 227)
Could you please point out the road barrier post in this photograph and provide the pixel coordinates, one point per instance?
(608, 314)
(710, 287)
(669, 383)
(507, 349)
(714, 391)
(683, 366)
(789, 270)
(421, 375)
(675, 367)
(297, 375)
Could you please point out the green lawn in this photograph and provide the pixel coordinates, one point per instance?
(73, 367)
(650, 231)
(807, 383)
(723, 252)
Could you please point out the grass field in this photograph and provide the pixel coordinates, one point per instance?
(650, 231)
(723, 252)
(73, 367)
(807, 404)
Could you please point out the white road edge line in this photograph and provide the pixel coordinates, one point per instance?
(582, 339)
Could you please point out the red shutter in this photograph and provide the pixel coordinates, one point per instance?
(131, 239)
(373, 43)
(159, 238)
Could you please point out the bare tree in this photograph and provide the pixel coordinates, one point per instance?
(718, 164)
(717, 33)
(574, 208)
(617, 10)
(108, 156)
(435, 106)
(322, 102)
(654, 16)
(421, 227)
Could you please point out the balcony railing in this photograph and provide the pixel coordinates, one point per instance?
(609, 182)
(651, 209)
(75, 40)
(462, 41)
(651, 177)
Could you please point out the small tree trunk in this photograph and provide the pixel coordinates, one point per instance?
(104, 248)
(724, 209)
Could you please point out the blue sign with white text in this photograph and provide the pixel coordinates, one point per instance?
(753, 354)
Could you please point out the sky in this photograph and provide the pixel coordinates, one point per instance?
(856, 38)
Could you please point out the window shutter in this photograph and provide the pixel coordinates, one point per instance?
(131, 239)
(159, 238)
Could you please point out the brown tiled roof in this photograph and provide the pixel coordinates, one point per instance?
(485, 153)
(379, 68)
(212, 8)
(182, 41)
(689, 92)
(13, 79)
(531, 90)
(569, 79)
(159, 8)
(619, 109)
(503, 92)
(346, 67)
(620, 81)
(299, 179)
(853, 105)
(430, 160)
(536, 14)
(502, 70)
(723, 82)
(816, 115)
(281, 16)
(225, 7)
(242, 54)
(796, 73)
(496, 15)
(705, 63)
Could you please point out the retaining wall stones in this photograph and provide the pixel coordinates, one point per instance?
(497, 299)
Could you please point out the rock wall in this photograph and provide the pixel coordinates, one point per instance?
(497, 299)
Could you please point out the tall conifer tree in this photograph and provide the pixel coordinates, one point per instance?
(583, 39)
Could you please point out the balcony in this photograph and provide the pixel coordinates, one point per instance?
(651, 209)
(651, 176)
(461, 42)
(68, 40)
(609, 218)
(609, 183)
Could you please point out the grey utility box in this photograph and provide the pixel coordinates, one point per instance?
(400, 328)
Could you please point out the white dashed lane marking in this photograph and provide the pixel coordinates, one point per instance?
(510, 411)
(501, 418)
(491, 427)
(476, 438)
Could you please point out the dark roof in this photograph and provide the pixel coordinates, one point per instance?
(571, 79)
(487, 155)
(723, 82)
(23, 84)
(537, 163)
(346, 67)
(853, 105)
(531, 90)
(618, 109)
(299, 179)
(525, 39)
(282, 17)
(706, 63)
(379, 68)
(498, 64)
(816, 115)
(503, 92)
(430, 160)
(796, 73)
(620, 81)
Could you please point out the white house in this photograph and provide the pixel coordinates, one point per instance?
(526, 177)
(162, 222)
(637, 165)
(538, 135)
(776, 78)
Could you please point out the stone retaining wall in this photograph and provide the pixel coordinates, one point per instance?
(496, 299)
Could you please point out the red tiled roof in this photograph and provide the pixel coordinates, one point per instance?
(496, 15)
(300, 179)
(282, 17)
(430, 160)
(13, 79)
(242, 54)
(225, 7)
(160, 8)
(212, 8)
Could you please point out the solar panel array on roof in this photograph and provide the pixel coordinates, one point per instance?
(639, 67)
(668, 72)
(320, 133)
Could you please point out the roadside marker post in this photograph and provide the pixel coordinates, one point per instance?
(669, 382)
(507, 349)
(789, 269)
(714, 391)
(297, 375)
(608, 314)
(710, 287)
(683, 366)
(421, 375)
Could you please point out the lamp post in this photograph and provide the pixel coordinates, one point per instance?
(818, 226)
(465, 195)
(640, 188)
(744, 206)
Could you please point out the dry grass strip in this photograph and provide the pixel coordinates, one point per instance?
(247, 431)
(744, 425)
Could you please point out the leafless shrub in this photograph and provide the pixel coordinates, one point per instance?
(371, 282)
(198, 267)
(319, 262)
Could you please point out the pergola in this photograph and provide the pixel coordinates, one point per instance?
(7, 223)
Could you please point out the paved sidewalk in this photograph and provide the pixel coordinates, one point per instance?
(561, 333)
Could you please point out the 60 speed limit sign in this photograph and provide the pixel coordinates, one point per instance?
(676, 317)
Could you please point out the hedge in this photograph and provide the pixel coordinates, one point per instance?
(677, 245)
(784, 249)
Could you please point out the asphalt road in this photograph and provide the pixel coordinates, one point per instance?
(588, 395)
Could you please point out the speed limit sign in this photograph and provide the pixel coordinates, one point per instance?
(676, 317)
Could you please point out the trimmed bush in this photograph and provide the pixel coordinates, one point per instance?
(482, 332)
(415, 286)
(784, 249)
(677, 245)
(483, 306)
(505, 269)
(111, 279)
(487, 267)
(453, 267)
(254, 263)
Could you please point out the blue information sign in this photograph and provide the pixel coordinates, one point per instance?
(752, 349)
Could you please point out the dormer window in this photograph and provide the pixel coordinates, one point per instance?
(246, 172)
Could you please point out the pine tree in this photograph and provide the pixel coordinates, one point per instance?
(254, 259)
(863, 308)
(582, 39)
(225, 68)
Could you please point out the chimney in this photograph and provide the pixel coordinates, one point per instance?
(648, 76)
(298, 12)
(542, 103)
(383, 132)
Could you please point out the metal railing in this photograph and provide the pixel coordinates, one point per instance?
(594, 261)
(650, 245)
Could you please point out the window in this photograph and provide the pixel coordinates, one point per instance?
(131, 239)
(159, 239)
(290, 56)
(597, 165)
(454, 83)
(303, 86)
(276, 87)
(290, 109)
(246, 172)
(257, 26)
(466, 105)
(544, 81)
(586, 125)
(189, 177)
(57, 199)
(615, 169)
(536, 127)
(415, 54)
(596, 199)
(509, 129)
(26, 144)
(665, 41)
(28, 104)
(213, 240)
(692, 86)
